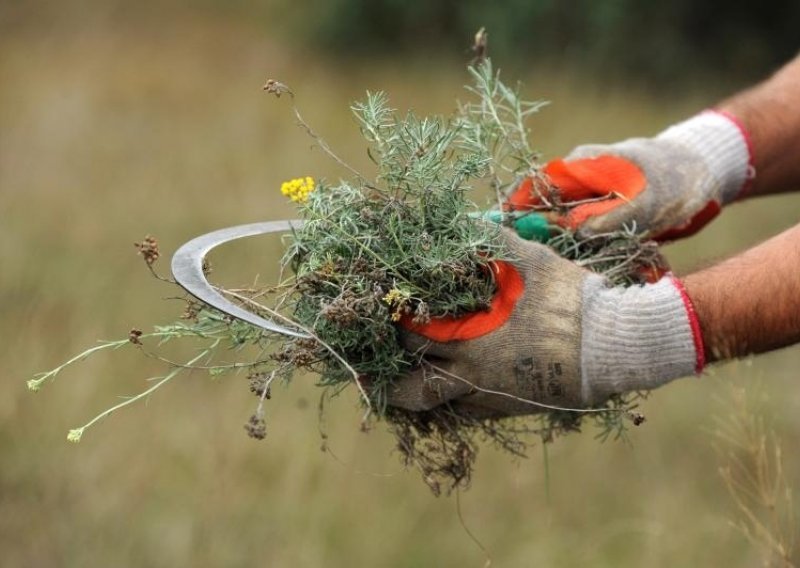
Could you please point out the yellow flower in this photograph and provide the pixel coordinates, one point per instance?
(298, 189)
(396, 296)
(397, 299)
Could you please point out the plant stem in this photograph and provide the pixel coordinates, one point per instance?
(76, 434)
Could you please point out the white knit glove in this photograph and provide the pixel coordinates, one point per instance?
(690, 171)
(569, 341)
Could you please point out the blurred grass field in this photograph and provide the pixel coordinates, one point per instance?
(110, 132)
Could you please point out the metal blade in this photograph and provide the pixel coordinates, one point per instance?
(187, 268)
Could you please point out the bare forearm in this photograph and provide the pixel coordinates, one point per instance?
(751, 302)
(770, 112)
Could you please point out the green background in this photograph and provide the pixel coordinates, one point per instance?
(118, 120)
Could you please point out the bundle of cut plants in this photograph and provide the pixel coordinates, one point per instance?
(393, 250)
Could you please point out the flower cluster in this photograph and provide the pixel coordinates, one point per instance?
(148, 248)
(298, 189)
(397, 299)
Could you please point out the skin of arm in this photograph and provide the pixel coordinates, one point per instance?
(750, 303)
(770, 114)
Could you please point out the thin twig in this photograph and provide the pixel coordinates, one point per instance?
(76, 433)
(313, 335)
(172, 363)
(324, 145)
(472, 537)
(520, 399)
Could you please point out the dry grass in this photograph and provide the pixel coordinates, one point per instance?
(109, 133)
(753, 472)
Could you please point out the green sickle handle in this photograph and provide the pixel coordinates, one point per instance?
(529, 226)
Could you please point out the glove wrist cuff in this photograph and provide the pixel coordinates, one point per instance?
(721, 141)
(636, 338)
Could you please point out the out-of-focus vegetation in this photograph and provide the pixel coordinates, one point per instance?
(119, 120)
(661, 43)
(652, 39)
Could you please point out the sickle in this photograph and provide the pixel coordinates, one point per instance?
(187, 268)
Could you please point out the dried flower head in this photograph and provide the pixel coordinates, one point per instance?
(276, 88)
(191, 311)
(256, 427)
(148, 248)
(259, 384)
(134, 336)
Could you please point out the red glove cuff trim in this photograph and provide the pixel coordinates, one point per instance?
(694, 323)
(510, 287)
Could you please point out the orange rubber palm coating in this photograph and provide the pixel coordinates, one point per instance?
(510, 287)
(588, 178)
(595, 177)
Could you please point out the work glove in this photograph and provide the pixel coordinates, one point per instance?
(555, 334)
(665, 187)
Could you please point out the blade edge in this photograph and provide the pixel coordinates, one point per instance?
(187, 269)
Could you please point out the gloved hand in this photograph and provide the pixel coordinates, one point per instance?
(555, 334)
(670, 186)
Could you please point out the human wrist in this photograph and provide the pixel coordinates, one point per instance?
(636, 338)
(721, 141)
(769, 113)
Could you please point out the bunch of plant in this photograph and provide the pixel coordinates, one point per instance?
(404, 243)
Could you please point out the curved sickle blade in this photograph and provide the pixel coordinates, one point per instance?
(187, 268)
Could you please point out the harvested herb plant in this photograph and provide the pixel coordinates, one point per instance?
(405, 243)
